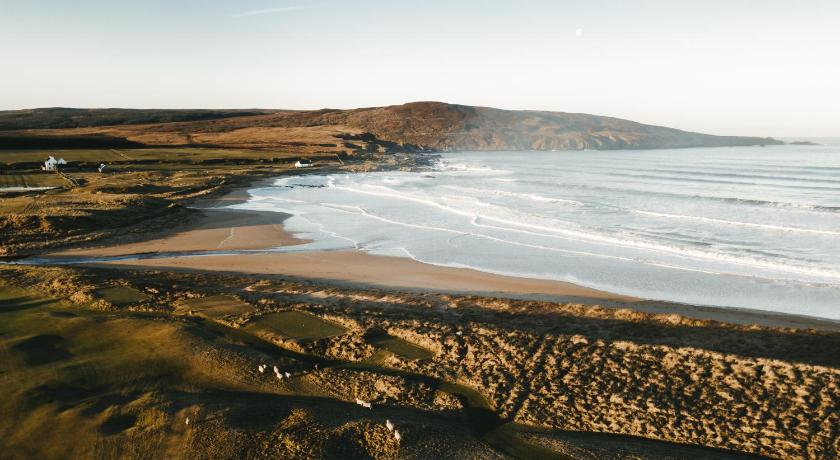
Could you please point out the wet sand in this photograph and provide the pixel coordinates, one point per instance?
(228, 229)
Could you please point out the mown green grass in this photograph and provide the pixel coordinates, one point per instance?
(297, 325)
(31, 180)
(216, 307)
(400, 347)
(121, 296)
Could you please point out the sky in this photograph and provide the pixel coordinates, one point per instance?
(736, 67)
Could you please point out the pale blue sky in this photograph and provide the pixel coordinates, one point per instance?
(728, 67)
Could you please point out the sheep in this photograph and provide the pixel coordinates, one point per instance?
(397, 435)
(389, 425)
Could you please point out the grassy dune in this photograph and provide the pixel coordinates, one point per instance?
(115, 370)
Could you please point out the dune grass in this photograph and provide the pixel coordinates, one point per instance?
(80, 384)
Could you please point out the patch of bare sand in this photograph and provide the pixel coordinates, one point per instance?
(359, 268)
(214, 230)
(362, 268)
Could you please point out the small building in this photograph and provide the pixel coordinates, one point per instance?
(103, 168)
(303, 163)
(52, 164)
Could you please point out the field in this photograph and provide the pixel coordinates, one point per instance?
(400, 347)
(128, 156)
(31, 180)
(215, 307)
(121, 296)
(297, 325)
(10, 157)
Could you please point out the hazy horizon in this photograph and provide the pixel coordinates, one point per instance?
(727, 68)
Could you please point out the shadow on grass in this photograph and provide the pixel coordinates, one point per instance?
(42, 349)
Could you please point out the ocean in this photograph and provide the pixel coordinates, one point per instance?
(749, 227)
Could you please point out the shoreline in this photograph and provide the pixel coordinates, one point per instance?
(302, 269)
(219, 228)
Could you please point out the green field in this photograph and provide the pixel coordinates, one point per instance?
(400, 347)
(27, 156)
(216, 307)
(296, 325)
(31, 180)
(12, 299)
(121, 296)
(176, 154)
(75, 384)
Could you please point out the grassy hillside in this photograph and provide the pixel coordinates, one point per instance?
(60, 117)
(410, 127)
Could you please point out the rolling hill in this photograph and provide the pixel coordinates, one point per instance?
(429, 126)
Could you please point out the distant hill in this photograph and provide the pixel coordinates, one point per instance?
(61, 118)
(415, 126)
(444, 126)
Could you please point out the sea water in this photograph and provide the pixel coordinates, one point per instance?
(752, 227)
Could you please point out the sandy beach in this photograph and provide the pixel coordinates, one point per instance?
(219, 229)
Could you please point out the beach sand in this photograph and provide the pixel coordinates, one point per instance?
(214, 230)
(219, 229)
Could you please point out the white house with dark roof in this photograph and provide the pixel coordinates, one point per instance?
(52, 164)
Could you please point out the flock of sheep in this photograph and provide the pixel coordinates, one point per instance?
(368, 405)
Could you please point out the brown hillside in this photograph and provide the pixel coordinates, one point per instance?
(430, 125)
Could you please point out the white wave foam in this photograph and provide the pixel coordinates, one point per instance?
(528, 196)
(761, 249)
(789, 267)
(737, 223)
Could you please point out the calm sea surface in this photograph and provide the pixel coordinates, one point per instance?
(745, 227)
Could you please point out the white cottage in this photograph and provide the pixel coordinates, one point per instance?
(303, 163)
(52, 164)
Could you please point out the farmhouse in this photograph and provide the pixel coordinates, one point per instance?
(52, 164)
(303, 163)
